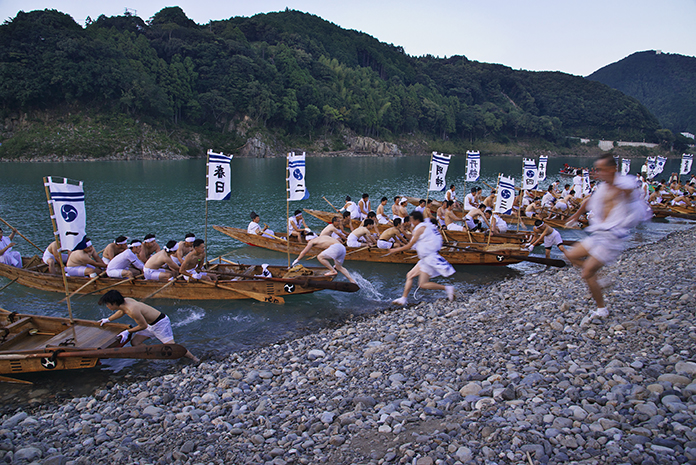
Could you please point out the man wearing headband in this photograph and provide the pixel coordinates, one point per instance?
(401, 208)
(183, 249)
(298, 228)
(84, 260)
(151, 322)
(155, 266)
(50, 257)
(116, 247)
(550, 236)
(193, 263)
(150, 246)
(7, 255)
(126, 264)
(255, 228)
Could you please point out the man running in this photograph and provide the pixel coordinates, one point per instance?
(427, 242)
(151, 322)
(334, 250)
(550, 236)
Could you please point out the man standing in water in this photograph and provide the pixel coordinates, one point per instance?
(428, 243)
(333, 250)
(616, 207)
(151, 322)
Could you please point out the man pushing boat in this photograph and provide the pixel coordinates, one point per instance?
(333, 250)
(151, 322)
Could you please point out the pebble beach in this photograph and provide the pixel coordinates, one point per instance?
(506, 374)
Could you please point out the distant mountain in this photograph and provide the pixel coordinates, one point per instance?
(663, 82)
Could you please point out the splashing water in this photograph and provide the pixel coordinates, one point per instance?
(191, 315)
(367, 288)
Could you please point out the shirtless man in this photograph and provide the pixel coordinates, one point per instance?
(150, 246)
(50, 257)
(255, 228)
(381, 217)
(489, 201)
(333, 230)
(472, 215)
(395, 208)
(364, 206)
(151, 322)
(346, 222)
(533, 209)
(193, 262)
(354, 238)
(550, 236)
(184, 247)
(442, 215)
(84, 260)
(154, 268)
(470, 200)
(334, 250)
(116, 247)
(126, 264)
(391, 236)
(451, 218)
(406, 228)
(403, 212)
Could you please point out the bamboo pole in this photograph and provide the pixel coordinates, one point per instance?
(287, 204)
(430, 174)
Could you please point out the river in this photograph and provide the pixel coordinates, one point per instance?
(167, 198)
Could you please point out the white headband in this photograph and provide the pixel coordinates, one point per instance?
(88, 244)
(189, 239)
(152, 239)
(135, 244)
(173, 249)
(122, 242)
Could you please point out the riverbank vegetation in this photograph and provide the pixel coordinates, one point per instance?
(122, 87)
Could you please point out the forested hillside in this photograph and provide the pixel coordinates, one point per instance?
(288, 75)
(663, 82)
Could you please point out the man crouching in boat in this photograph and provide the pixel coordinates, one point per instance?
(427, 242)
(193, 262)
(83, 260)
(155, 267)
(151, 322)
(334, 250)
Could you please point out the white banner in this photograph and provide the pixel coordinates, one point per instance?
(686, 162)
(585, 182)
(473, 166)
(651, 167)
(541, 173)
(295, 177)
(660, 165)
(505, 196)
(219, 176)
(625, 166)
(529, 174)
(68, 202)
(438, 171)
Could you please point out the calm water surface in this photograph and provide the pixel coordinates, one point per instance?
(167, 198)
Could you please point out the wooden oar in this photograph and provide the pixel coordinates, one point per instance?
(162, 288)
(525, 258)
(5, 379)
(330, 204)
(304, 282)
(103, 273)
(272, 299)
(25, 237)
(264, 232)
(9, 284)
(156, 351)
(106, 287)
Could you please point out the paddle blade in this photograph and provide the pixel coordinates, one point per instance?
(340, 286)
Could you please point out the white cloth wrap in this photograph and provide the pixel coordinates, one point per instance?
(604, 246)
(435, 265)
(552, 239)
(455, 227)
(353, 241)
(500, 224)
(382, 244)
(469, 222)
(123, 261)
(381, 219)
(162, 330)
(114, 273)
(336, 252)
(78, 271)
(152, 274)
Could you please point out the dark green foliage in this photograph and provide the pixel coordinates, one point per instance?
(295, 75)
(665, 83)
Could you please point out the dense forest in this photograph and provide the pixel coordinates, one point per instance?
(288, 75)
(663, 82)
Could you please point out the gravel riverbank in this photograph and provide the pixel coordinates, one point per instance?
(504, 375)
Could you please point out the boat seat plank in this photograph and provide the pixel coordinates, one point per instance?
(13, 339)
(17, 323)
(28, 342)
(86, 336)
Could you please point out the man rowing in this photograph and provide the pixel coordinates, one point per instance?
(155, 267)
(421, 207)
(352, 208)
(451, 218)
(192, 265)
(334, 230)
(50, 257)
(255, 228)
(391, 236)
(361, 234)
(183, 249)
(126, 264)
(7, 255)
(470, 200)
(542, 231)
(498, 225)
(472, 215)
(381, 217)
(427, 242)
(334, 250)
(84, 260)
(116, 247)
(364, 206)
(297, 227)
(150, 321)
(149, 247)
(451, 194)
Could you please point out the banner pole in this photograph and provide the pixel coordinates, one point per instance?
(207, 184)
(430, 174)
(287, 205)
(60, 255)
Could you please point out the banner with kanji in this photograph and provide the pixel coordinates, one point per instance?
(529, 174)
(219, 176)
(505, 196)
(625, 166)
(586, 182)
(660, 165)
(438, 171)
(68, 201)
(295, 177)
(541, 172)
(651, 167)
(686, 162)
(473, 166)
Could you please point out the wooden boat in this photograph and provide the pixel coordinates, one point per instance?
(457, 236)
(236, 282)
(457, 253)
(32, 343)
(663, 211)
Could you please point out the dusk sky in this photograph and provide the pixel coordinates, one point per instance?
(547, 35)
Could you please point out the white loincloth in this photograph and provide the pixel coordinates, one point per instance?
(455, 227)
(152, 274)
(552, 239)
(162, 330)
(336, 252)
(385, 244)
(435, 265)
(604, 246)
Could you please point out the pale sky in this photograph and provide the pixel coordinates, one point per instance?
(576, 37)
